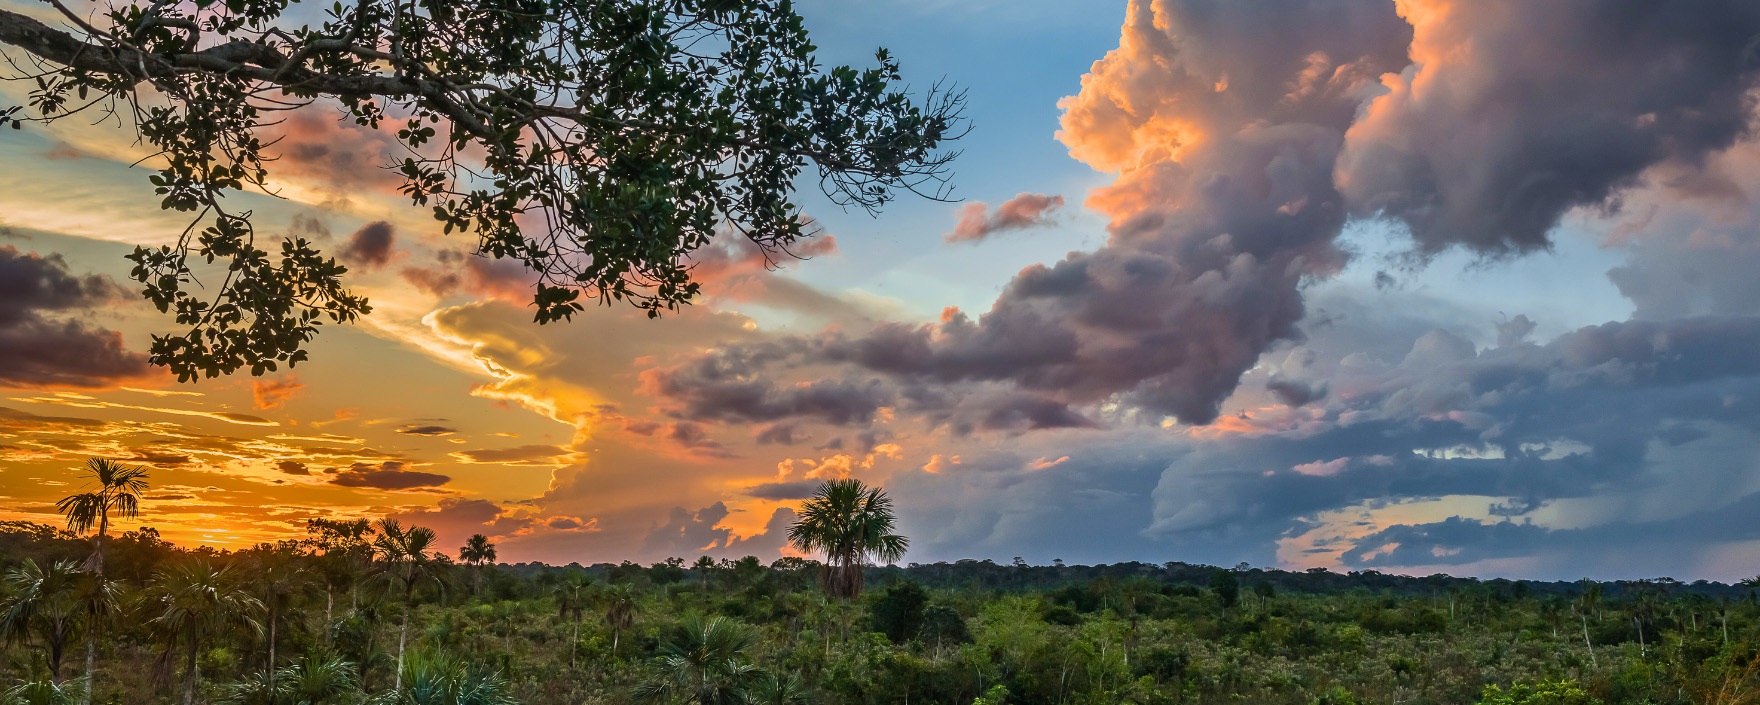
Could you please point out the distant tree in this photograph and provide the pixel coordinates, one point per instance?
(1226, 587)
(44, 602)
(703, 662)
(849, 522)
(599, 143)
(898, 611)
(476, 552)
(408, 561)
(194, 600)
(942, 625)
(345, 551)
(703, 567)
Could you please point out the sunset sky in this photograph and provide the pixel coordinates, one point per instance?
(1418, 286)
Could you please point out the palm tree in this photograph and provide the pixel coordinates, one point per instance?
(704, 662)
(439, 679)
(45, 603)
(46, 693)
(194, 600)
(409, 561)
(318, 679)
(571, 602)
(120, 489)
(703, 567)
(620, 612)
(848, 522)
(476, 552)
(278, 576)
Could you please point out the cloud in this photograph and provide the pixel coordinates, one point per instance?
(455, 520)
(1026, 210)
(728, 386)
(388, 475)
(796, 489)
(692, 533)
(372, 246)
(518, 455)
(41, 348)
(429, 430)
(1514, 113)
(292, 467)
(271, 394)
(455, 272)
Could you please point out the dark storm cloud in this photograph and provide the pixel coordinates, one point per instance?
(1650, 413)
(1028, 210)
(371, 247)
(37, 349)
(728, 386)
(1516, 112)
(527, 454)
(388, 475)
(427, 430)
(796, 489)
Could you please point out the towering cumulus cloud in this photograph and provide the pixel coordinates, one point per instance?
(1245, 134)
(1514, 112)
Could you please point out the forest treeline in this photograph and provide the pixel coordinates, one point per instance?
(379, 612)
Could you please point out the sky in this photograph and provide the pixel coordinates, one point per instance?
(1414, 286)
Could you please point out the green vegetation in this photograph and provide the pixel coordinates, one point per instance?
(362, 612)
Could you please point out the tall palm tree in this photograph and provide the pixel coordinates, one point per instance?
(848, 522)
(46, 603)
(704, 662)
(477, 551)
(194, 600)
(409, 561)
(119, 489)
(571, 603)
(620, 612)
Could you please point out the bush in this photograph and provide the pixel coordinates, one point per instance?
(1560, 692)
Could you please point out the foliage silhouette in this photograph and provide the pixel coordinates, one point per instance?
(596, 142)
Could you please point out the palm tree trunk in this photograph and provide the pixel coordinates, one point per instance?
(574, 643)
(329, 617)
(272, 615)
(91, 661)
(402, 637)
(1586, 641)
(190, 675)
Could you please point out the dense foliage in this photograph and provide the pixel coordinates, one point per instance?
(742, 631)
(597, 142)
